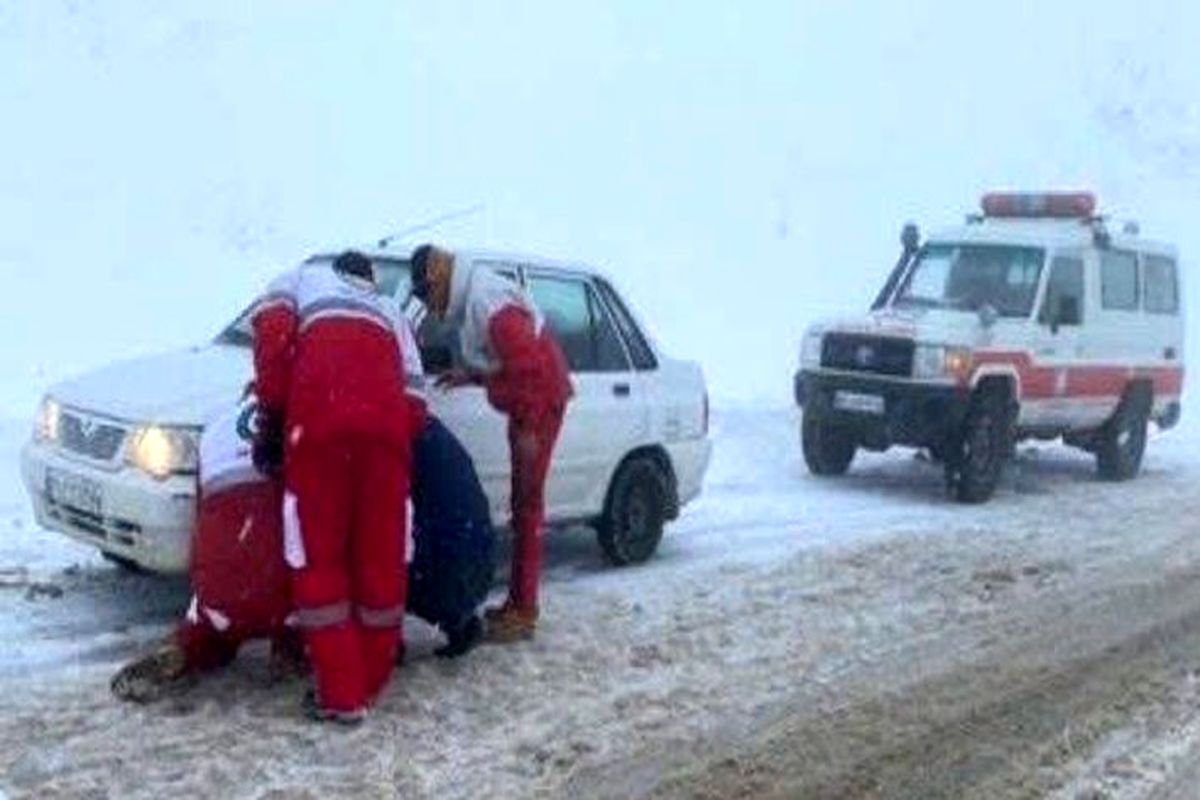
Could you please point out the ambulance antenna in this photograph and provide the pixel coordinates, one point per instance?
(433, 222)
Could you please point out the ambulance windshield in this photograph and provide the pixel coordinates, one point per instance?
(968, 277)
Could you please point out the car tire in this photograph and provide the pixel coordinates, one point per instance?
(1121, 443)
(124, 564)
(631, 527)
(828, 448)
(983, 449)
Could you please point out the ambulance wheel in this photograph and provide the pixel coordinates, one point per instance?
(828, 448)
(632, 524)
(1121, 443)
(975, 470)
(125, 565)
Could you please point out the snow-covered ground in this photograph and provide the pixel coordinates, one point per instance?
(774, 591)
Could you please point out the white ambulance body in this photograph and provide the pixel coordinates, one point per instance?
(1030, 320)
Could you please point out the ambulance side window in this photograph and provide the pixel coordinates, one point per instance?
(1118, 281)
(1064, 293)
(1162, 285)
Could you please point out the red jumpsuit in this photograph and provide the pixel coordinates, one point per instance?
(328, 355)
(239, 579)
(505, 339)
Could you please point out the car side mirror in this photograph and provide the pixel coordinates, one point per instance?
(436, 358)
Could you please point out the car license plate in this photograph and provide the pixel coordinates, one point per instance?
(75, 491)
(860, 403)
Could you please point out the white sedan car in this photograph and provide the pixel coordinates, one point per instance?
(112, 461)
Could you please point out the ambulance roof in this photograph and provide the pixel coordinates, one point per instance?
(1055, 234)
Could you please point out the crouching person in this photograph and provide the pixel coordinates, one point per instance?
(238, 575)
(453, 540)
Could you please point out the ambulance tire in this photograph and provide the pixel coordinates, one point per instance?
(828, 448)
(631, 527)
(1121, 443)
(984, 449)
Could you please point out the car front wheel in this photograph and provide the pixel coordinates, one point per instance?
(828, 448)
(983, 449)
(632, 524)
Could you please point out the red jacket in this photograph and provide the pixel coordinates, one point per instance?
(505, 339)
(330, 354)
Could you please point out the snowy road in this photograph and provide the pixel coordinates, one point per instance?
(855, 638)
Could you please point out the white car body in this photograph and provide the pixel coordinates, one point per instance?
(103, 500)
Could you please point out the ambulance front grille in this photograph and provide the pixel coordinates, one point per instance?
(879, 355)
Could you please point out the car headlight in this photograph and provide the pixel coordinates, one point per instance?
(810, 350)
(49, 416)
(161, 451)
(936, 361)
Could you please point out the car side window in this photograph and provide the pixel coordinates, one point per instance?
(393, 277)
(1064, 293)
(610, 353)
(587, 338)
(1162, 285)
(1118, 281)
(639, 349)
(438, 341)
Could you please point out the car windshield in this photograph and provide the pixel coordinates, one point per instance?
(968, 277)
(391, 275)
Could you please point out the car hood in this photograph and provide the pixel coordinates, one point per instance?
(179, 388)
(934, 326)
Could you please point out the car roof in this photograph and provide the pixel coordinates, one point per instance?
(479, 254)
(1050, 233)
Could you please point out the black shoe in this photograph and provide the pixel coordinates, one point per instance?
(313, 710)
(461, 639)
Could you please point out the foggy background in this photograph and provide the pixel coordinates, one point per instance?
(738, 171)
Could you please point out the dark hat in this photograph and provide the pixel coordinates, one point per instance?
(354, 263)
(419, 265)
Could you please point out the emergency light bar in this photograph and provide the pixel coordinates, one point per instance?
(1055, 205)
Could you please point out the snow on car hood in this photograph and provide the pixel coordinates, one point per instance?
(182, 388)
(934, 325)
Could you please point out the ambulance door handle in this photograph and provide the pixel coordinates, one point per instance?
(1170, 354)
(621, 389)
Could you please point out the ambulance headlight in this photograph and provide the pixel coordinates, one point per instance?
(937, 362)
(161, 451)
(47, 424)
(810, 350)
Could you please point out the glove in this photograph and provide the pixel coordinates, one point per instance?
(266, 451)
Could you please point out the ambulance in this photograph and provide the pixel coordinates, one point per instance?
(1035, 319)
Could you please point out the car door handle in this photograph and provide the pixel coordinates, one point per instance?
(1170, 354)
(621, 389)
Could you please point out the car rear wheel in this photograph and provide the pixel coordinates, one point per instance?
(632, 524)
(1121, 443)
(828, 448)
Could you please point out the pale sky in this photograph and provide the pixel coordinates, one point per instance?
(740, 171)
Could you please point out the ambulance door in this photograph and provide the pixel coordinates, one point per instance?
(1059, 345)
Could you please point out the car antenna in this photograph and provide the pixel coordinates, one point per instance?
(440, 219)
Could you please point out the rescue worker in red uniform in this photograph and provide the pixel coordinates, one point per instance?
(239, 579)
(338, 414)
(508, 349)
